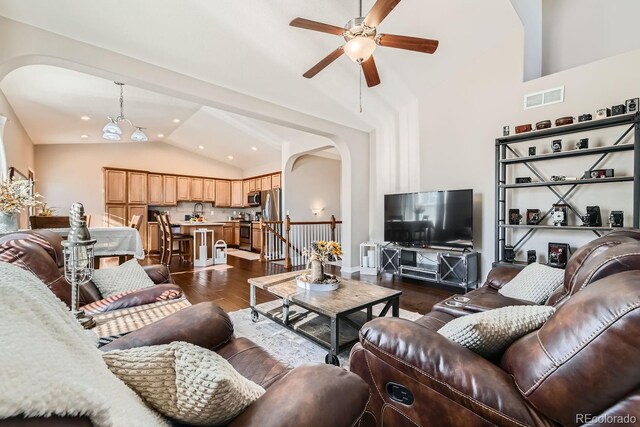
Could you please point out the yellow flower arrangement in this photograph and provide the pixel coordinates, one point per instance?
(323, 251)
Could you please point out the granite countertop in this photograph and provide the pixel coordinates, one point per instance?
(196, 223)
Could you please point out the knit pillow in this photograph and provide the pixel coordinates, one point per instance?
(187, 383)
(489, 333)
(535, 283)
(129, 276)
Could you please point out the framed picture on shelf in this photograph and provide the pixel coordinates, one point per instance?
(533, 216)
(514, 216)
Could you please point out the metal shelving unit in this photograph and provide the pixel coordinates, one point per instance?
(503, 147)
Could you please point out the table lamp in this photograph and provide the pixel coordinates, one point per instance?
(78, 260)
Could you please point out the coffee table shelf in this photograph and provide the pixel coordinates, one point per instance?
(330, 319)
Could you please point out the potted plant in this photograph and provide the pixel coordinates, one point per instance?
(15, 196)
(319, 254)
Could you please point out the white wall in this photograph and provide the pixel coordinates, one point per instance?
(458, 149)
(73, 172)
(530, 13)
(18, 147)
(576, 32)
(313, 182)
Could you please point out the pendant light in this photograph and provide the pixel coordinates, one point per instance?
(112, 131)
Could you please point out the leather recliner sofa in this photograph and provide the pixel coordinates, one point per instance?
(40, 251)
(581, 364)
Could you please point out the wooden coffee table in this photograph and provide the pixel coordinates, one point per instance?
(330, 319)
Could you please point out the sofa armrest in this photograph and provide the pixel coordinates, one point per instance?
(310, 396)
(159, 273)
(137, 298)
(500, 276)
(440, 373)
(204, 324)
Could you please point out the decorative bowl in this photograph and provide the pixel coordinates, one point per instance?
(330, 283)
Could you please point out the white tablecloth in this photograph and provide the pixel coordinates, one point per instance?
(112, 241)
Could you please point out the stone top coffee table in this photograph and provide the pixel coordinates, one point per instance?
(330, 319)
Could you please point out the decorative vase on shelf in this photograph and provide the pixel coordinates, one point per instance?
(317, 271)
(8, 222)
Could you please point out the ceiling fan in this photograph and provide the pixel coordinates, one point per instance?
(362, 39)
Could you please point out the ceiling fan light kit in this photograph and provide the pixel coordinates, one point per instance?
(362, 39)
(112, 131)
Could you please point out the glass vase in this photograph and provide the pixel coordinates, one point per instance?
(8, 222)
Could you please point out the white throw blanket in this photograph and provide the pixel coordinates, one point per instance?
(50, 365)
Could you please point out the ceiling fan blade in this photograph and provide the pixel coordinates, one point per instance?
(409, 43)
(379, 11)
(370, 72)
(308, 24)
(325, 61)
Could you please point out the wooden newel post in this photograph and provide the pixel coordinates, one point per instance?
(333, 228)
(263, 233)
(287, 242)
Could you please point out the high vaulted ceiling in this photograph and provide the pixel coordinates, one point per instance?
(247, 46)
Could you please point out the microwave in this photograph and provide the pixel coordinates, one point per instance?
(253, 199)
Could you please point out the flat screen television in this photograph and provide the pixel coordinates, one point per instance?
(431, 218)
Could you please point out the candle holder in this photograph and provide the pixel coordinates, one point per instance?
(78, 260)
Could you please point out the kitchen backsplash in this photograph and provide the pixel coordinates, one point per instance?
(177, 213)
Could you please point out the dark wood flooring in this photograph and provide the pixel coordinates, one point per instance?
(230, 290)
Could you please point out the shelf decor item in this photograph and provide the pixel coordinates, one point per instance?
(558, 254)
(319, 254)
(592, 218)
(78, 260)
(15, 196)
(560, 215)
(369, 258)
(616, 219)
(514, 216)
(533, 216)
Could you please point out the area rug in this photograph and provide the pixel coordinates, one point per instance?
(243, 254)
(286, 345)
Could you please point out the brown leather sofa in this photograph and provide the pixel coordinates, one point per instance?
(40, 251)
(582, 363)
(312, 396)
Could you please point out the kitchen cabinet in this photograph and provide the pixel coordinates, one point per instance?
(183, 184)
(137, 187)
(252, 184)
(142, 211)
(256, 237)
(115, 182)
(258, 184)
(223, 193)
(265, 183)
(245, 192)
(116, 216)
(236, 194)
(209, 190)
(275, 180)
(227, 231)
(156, 189)
(153, 237)
(170, 196)
(236, 234)
(196, 189)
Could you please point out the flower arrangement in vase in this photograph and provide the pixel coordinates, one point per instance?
(15, 196)
(319, 254)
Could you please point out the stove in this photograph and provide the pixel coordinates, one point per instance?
(245, 235)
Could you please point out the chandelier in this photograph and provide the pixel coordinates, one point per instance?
(112, 130)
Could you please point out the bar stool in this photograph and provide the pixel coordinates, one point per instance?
(168, 238)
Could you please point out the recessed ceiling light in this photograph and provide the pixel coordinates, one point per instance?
(201, 147)
(84, 136)
(176, 120)
(85, 118)
(254, 148)
(230, 157)
(160, 135)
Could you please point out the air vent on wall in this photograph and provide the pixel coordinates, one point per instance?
(545, 97)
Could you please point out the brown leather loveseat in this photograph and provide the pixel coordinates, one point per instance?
(40, 251)
(580, 367)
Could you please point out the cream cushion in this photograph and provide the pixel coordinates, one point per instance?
(129, 276)
(490, 332)
(535, 283)
(182, 381)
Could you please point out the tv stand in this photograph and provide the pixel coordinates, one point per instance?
(446, 267)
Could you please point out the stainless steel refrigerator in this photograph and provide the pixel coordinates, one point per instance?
(271, 205)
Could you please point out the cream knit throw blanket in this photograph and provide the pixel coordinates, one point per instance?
(50, 365)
